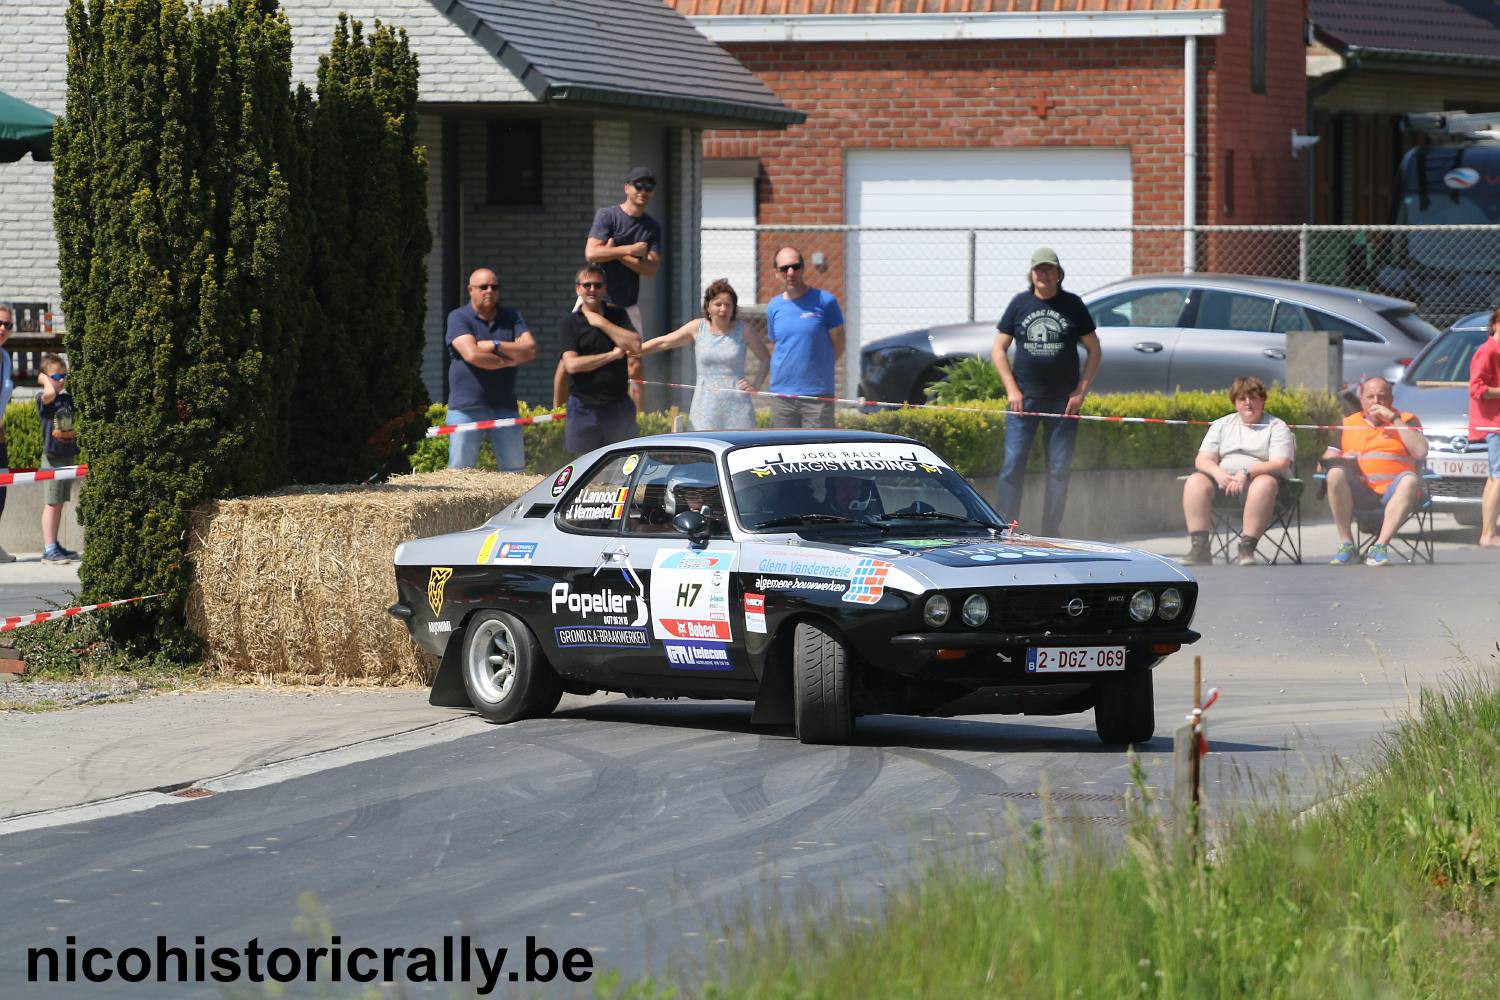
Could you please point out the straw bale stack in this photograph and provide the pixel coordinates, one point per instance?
(293, 586)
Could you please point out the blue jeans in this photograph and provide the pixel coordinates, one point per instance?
(1058, 438)
(508, 443)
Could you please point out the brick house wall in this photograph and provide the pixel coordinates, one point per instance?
(1035, 93)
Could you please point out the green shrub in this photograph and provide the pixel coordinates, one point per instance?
(23, 435)
(968, 380)
(545, 452)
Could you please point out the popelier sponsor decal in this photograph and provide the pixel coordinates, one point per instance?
(614, 608)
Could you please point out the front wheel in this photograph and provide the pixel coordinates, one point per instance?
(504, 673)
(822, 686)
(1125, 707)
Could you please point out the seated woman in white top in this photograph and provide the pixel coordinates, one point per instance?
(1244, 456)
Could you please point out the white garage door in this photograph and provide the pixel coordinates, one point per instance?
(729, 201)
(901, 281)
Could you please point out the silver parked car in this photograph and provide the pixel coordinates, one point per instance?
(1183, 331)
(1436, 388)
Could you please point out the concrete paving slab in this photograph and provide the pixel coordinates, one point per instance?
(58, 759)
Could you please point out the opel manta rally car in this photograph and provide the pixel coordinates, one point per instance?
(822, 575)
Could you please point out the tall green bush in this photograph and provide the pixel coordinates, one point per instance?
(174, 219)
(366, 207)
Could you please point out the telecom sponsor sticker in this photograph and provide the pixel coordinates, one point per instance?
(755, 612)
(515, 552)
(697, 656)
(601, 635)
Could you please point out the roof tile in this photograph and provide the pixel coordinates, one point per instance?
(784, 8)
(1440, 27)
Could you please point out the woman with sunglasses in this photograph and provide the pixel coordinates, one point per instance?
(722, 400)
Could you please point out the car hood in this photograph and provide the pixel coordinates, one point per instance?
(1443, 409)
(917, 563)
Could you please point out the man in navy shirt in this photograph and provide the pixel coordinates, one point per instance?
(485, 344)
(805, 328)
(1047, 325)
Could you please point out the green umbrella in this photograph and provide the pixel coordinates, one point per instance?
(24, 128)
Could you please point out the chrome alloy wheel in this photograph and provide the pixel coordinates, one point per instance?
(491, 663)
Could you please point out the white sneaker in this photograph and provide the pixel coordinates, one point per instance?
(6, 557)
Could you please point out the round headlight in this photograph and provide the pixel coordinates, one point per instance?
(1142, 605)
(976, 610)
(937, 611)
(1170, 605)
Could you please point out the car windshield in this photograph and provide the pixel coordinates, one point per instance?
(1448, 359)
(852, 485)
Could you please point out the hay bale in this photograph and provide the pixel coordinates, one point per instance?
(293, 586)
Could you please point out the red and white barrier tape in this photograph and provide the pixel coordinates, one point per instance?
(21, 621)
(1095, 417)
(482, 425)
(15, 477)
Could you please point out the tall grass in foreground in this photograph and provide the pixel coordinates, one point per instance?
(1387, 891)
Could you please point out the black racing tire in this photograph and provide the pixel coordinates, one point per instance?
(1125, 707)
(505, 675)
(822, 686)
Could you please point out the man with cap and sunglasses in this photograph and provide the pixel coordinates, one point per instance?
(627, 243)
(1047, 326)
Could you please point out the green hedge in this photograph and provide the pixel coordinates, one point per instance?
(23, 435)
(972, 435)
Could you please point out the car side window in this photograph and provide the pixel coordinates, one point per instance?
(670, 482)
(1323, 321)
(1289, 317)
(1144, 307)
(1220, 310)
(598, 503)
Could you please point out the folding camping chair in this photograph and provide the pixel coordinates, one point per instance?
(1413, 547)
(1283, 535)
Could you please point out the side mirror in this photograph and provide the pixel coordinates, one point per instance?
(694, 525)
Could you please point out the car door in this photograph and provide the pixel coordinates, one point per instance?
(1230, 336)
(689, 589)
(1138, 331)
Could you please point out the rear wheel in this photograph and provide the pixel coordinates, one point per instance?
(1469, 517)
(504, 673)
(822, 686)
(1125, 707)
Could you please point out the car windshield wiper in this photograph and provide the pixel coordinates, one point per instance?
(785, 522)
(934, 515)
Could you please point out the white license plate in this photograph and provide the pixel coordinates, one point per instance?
(1476, 466)
(1074, 659)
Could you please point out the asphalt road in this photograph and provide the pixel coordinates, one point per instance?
(638, 829)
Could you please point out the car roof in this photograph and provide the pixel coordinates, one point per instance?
(1473, 321)
(1303, 291)
(726, 440)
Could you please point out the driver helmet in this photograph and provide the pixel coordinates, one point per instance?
(694, 487)
(848, 494)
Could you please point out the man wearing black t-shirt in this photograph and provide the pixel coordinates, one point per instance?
(597, 338)
(1047, 325)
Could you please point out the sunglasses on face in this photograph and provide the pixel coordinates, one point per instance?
(6, 324)
(485, 288)
(57, 376)
(789, 267)
(643, 185)
(590, 286)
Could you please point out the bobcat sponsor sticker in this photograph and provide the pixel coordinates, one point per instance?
(437, 582)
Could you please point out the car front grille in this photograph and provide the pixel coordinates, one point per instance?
(1046, 608)
(1456, 487)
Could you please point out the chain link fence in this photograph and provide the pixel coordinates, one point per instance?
(891, 279)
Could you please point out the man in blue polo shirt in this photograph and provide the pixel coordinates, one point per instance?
(806, 331)
(485, 344)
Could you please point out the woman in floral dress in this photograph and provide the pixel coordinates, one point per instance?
(719, 342)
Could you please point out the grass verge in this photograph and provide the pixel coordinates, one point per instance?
(1389, 890)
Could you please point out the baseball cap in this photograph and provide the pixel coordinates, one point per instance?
(640, 174)
(1045, 255)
